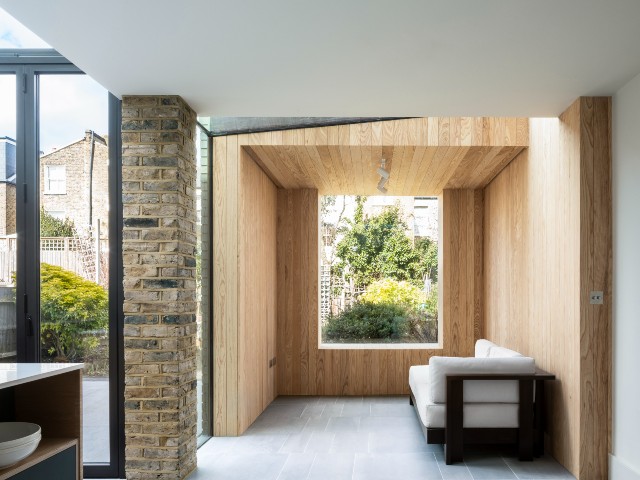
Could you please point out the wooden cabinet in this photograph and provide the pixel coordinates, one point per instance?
(49, 395)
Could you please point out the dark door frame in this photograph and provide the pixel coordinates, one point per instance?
(27, 65)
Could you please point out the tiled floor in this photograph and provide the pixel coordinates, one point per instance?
(335, 438)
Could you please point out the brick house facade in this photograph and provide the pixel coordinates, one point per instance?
(65, 176)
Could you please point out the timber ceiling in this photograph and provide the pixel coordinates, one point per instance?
(424, 156)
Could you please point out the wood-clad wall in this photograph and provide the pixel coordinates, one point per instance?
(306, 369)
(547, 245)
(244, 288)
(257, 294)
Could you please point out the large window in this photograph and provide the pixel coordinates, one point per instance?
(378, 271)
(59, 243)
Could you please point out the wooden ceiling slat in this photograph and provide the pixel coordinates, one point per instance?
(425, 168)
(451, 164)
(424, 155)
(336, 158)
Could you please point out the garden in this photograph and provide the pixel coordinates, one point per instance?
(383, 278)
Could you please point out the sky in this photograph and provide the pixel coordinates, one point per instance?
(70, 104)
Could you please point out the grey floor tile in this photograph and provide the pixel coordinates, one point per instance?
(300, 438)
(286, 409)
(405, 466)
(392, 410)
(350, 442)
(296, 443)
(390, 425)
(333, 466)
(390, 399)
(356, 410)
(458, 471)
(544, 468)
(343, 424)
(314, 410)
(386, 442)
(259, 444)
(241, 466)
(486, 467)
(297, 466)
(320, 442)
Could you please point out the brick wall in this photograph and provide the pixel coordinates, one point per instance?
(158, 183)
(7, 208)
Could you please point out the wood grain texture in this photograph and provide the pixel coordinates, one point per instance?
(595, 274)
(547, 244)
(55, 404)
(306, 369)
(257, 295)
(424, 155)
(245, 295)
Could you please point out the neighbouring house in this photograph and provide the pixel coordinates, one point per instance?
(74, 182)
(7, 186)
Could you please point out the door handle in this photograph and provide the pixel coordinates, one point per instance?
(29, 319)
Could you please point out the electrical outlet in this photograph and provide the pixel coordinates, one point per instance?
(596, 298)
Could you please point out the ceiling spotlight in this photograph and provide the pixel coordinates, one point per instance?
(384, 176)
(381, 185)
(382, 172)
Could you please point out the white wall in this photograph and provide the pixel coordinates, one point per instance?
(625, 460)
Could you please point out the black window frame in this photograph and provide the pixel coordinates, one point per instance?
(27, 65)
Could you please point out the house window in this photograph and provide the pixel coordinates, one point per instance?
(378, 272)
(55, 179)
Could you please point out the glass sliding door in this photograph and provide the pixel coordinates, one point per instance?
(203, 283)
(8, 233)
(74, 242)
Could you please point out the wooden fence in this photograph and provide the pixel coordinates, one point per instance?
(64, 252)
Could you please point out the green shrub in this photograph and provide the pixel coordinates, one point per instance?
(365, 320)
(394, 292)
(51, 226)
(74, 311)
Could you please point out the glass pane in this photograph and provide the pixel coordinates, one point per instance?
(74, 255)
(203, 317)
(15, 35)
(379, 270)
(7, 218)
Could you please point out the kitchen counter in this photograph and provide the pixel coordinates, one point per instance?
(12, 374)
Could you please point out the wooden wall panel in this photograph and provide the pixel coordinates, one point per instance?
(257, 295)
(245, 296)
(306, 369)
(547, 244)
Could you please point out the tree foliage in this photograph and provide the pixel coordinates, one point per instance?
(366, 321)
(392, 291)
(72, 309)
(428, 251)
(51, 226)
(376, 247)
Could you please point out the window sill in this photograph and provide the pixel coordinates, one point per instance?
(379, 346)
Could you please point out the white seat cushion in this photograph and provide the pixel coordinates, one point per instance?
(477, 391)
(419, 383)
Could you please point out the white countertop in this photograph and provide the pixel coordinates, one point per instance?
(17, 373)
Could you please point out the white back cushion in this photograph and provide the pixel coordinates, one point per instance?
(478, 391)
(501, 352)
(482, 348)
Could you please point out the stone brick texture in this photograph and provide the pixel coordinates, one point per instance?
(159, 242)
(7, 208)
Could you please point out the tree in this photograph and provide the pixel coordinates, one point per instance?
(376, 247)
(71, 309)
(51, 226)
(428, 251)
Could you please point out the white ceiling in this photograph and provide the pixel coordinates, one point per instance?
(349, 57)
